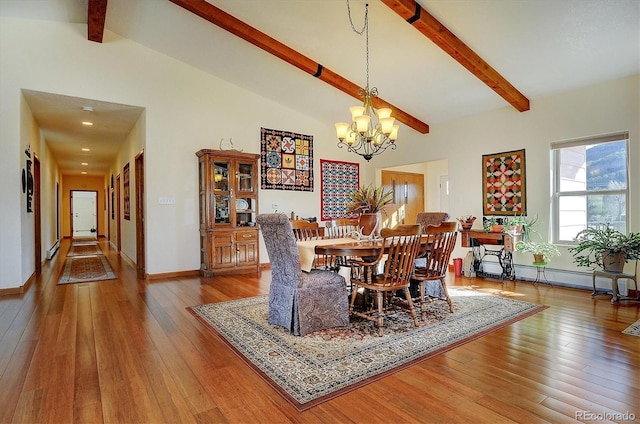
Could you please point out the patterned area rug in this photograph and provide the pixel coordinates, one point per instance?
(84, 239)
(84, 249)
(310, 370)
(633, 329)
(82, 269)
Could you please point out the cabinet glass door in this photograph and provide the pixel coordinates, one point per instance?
(222, 208)
(221, 176)
(246, 175)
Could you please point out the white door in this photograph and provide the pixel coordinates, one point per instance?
(84, 210)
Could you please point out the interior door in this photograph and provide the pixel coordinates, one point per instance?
(408, 197)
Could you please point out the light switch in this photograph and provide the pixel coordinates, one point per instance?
(167, 200)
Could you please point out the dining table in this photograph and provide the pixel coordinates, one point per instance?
(309, 250)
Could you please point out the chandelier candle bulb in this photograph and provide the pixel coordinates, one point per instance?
(386, 125)
(362, 123)
(394, 133)
(384, 112)
(356, 111)
(341, 130)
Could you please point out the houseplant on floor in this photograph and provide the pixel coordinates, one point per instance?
(605, 247)
(542, 250)
(368, 202)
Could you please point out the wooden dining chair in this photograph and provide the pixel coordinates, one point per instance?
(340, 227)
(401, 248)
(305, 230)
(431, 278)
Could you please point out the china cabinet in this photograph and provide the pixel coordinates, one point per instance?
(228, 197)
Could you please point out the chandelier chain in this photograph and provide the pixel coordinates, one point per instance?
(365, 30)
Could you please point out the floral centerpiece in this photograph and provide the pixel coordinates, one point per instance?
(368, 199)
(542, 250)
(369, 202)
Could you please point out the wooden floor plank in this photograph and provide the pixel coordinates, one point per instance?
(128, 350)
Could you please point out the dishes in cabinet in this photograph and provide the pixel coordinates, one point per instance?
(241, 205)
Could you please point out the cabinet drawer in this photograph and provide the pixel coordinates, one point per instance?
(242, 236)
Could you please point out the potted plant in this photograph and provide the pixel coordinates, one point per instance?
(542, 250)
(491, 225)
(520, 225)
(466, 221)
(605, 247)
(368, 202)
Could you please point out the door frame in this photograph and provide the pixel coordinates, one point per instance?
(37, 215)
(140, 214)
(118, 229)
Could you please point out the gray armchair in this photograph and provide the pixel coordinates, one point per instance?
(301, 302)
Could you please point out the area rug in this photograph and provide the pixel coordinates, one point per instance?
(82, 249)
(82, 269)
(633, 329)
(83, 239)
(310, 370)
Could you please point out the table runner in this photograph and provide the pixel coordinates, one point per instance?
(307, 250)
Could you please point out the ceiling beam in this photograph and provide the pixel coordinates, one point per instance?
(259, 39)
(96, 15)
(428, 25)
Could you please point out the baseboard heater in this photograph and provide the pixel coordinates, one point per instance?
(53, 249)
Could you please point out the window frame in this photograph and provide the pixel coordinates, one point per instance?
(556, 194)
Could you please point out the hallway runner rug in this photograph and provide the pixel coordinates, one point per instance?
(83, 239)
(84, 250)
(633, 329)
(82, 269)
(313, 369)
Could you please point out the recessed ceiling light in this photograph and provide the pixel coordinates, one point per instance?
(87, 123)
(84, 163)
(84, 149)
(84, 172)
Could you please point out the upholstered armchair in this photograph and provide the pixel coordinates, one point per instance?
(301, 302)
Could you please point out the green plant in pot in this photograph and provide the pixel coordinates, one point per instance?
(368, 202)
(605, 247)
(542, 250)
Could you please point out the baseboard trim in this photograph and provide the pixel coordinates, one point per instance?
(177, 274)
(19, 290)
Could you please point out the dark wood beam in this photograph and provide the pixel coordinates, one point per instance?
(424, 22)
(97, 12)
(257, 38)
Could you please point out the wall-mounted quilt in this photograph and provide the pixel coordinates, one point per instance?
(338, 179)
(286, 160)
(503, 179)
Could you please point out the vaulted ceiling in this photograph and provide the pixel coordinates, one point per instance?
(457, 57)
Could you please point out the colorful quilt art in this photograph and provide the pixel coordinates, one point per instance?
(504, 183)
(338, 180)
(286, 160)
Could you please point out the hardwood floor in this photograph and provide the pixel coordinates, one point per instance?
(127, 351)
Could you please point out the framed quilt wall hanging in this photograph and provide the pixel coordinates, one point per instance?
(286, 160)
(337, 180)
(503, 183)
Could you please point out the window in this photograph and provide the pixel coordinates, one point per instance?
(590, 184)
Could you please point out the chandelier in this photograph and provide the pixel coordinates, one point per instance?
(369, 133)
